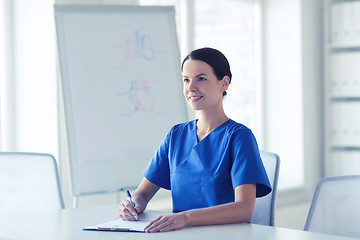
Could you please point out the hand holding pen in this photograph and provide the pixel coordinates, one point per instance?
(133, 211)
(128, 210)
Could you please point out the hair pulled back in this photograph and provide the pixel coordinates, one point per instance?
(215, 59)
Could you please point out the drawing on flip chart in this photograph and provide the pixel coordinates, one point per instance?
(140, 97)
(137, 46)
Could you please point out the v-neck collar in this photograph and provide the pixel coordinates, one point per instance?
(210, 133)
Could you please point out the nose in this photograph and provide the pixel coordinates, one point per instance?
(192, 86)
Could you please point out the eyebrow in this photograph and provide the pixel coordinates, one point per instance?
(199, 75)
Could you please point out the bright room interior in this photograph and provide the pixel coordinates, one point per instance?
(277, 51)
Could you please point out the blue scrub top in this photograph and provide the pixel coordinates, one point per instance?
(204, 174)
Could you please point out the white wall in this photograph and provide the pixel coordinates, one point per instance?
(30, 121)
(283, 87)
(293, 80)
(292, 216)
(294, 213)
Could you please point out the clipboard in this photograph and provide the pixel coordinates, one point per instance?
(119, 225)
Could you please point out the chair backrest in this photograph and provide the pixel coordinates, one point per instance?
(335, 208)
(264, 211)
(28, 182)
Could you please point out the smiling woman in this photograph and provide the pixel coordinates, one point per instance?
(212, 164)
(205, 80)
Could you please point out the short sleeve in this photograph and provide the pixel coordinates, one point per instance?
(158, 171)
(247, 167)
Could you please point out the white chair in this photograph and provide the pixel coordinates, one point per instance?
(335, 208)
(28, 182)
(264, 211)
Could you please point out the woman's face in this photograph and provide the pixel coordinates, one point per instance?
(202, 90)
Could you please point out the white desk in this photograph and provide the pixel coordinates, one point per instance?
(67, 225)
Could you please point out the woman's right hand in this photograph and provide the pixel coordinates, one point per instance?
(128, 212)
(140, 199)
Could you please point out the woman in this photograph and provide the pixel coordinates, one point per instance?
(211, 165)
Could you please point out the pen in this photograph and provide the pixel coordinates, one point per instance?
(131, 203)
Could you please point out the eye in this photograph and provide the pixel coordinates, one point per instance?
(186, 80)
(201, 79)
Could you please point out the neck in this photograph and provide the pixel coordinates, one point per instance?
(208, 121)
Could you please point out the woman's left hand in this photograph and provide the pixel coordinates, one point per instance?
(166, 223)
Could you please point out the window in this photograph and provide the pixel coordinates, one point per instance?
(2, 74)
(283, 115)
(29, 114)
